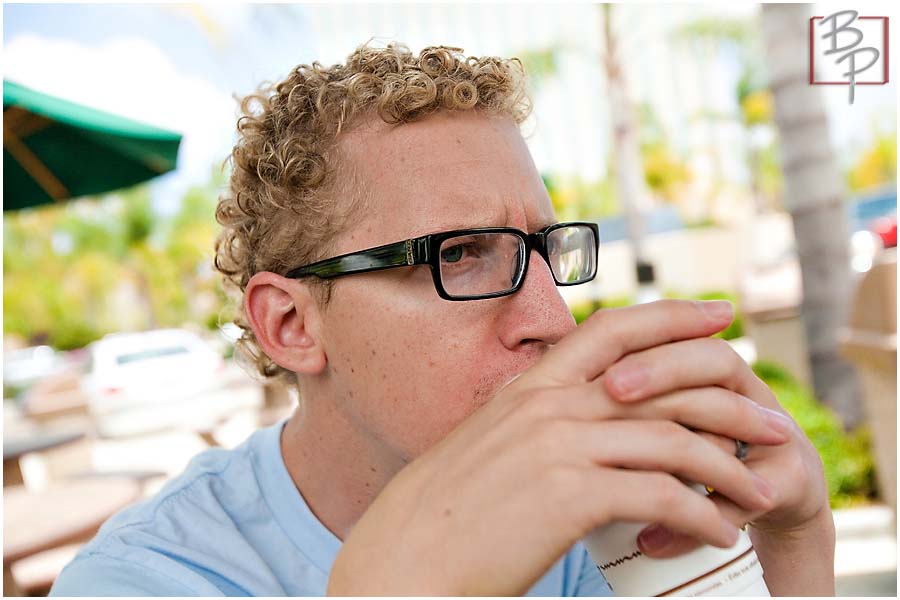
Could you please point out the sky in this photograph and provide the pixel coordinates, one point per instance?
(179, 67)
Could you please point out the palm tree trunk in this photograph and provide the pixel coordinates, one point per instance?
(814, 196)
(632, 191)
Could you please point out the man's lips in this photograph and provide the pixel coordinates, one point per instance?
(490, 385)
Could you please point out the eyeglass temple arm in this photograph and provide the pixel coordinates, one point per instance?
(398, 254)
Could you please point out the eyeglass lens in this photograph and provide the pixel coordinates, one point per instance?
(571, 252)
(489, 263)
(482, 263)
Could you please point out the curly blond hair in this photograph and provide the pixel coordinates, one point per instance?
(290, 193)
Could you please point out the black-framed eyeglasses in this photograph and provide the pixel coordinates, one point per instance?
(473, 264)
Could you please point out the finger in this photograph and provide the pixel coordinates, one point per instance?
(659, 541)
(610, 334)
(724, 443)
(711, 408)
(686, 363)
(718, 411)
(656, 497)
(683, 364)
(764, 396)
(657, 446)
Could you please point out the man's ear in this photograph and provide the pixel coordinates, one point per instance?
(287, 322)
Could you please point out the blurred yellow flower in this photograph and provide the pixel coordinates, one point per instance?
(756, 107)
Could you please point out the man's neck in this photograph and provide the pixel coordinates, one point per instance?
(338, 470)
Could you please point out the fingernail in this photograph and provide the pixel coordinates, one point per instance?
(764, 487)
(719, 309)
(777, 421)
(628, 379)
(654, 538)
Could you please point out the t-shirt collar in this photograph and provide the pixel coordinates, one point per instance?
(286, 502)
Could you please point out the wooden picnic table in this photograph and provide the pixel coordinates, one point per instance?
(16, 446)
(66, 512)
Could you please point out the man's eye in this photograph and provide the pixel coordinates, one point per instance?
(452, 254)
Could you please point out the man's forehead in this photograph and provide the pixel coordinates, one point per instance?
(448, 171)
(379, 148)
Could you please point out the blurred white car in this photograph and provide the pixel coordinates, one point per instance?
(25, 366)
(168, 378)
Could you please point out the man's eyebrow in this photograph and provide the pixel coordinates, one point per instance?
(473, 223)
(479, 224)
(496, 220)
(492, 223)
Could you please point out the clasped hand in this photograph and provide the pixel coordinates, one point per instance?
(606, 426)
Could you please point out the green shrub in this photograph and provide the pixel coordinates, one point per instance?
(847, 457)
(584, 309)
(616, 302)
(72, 334)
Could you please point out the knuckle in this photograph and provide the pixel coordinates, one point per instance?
(609, 323)
(765, 390)
(709, 512)
(671, 308)
(707, 437)
(598, 513)
(598, 316)
(669, 492)
(668, 429)
(696, 442)
(694, 507)
(551, 435)
(744, 408)
(617, 340)
(562, 478)
(796, 468)
(603, 319)
(738, 364)
(537, 406)
(721, 348)
(581, 501)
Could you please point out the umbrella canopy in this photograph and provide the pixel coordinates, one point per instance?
(54, 149)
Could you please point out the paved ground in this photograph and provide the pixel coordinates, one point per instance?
(868, 584)
(865, 560)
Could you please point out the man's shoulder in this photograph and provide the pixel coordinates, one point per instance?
(208, 484)
(99, 574)
(195, 519)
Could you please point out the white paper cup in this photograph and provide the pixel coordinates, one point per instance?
(706, 571)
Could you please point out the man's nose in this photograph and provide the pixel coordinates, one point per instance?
(537, 312)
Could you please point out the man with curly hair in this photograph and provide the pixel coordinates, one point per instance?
(397, 259)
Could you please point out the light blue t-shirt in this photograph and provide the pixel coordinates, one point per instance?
(234, 524)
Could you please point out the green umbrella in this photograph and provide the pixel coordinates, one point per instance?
(54, 149)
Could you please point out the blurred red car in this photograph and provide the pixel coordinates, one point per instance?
(886, 229)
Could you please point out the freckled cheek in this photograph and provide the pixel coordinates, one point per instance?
(408, 355)
(417, 389)
(426, 371)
